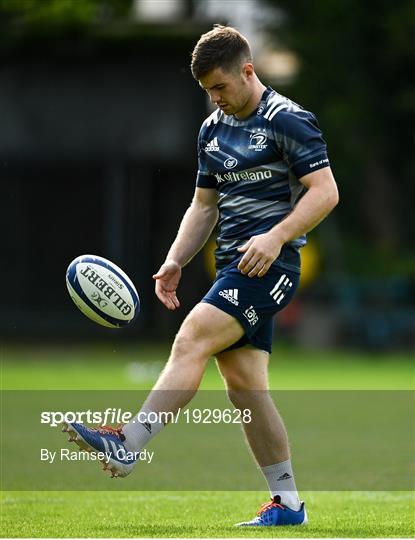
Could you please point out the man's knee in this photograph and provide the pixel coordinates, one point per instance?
(193, 337)
(188, 341)
(245, 374)
(245, 398)
(237, 380)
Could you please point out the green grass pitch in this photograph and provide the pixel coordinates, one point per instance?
(199, 514)
(204, 513)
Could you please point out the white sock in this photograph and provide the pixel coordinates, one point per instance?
(280, 479)
(139, 431)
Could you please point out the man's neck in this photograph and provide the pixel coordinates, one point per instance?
(253, 101)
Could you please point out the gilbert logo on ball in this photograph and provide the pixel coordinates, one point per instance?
(102, 291)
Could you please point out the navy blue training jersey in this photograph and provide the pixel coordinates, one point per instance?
(255, 165)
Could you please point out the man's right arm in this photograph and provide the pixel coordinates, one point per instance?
(195, 229)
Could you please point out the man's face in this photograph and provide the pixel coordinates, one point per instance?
(229, 90)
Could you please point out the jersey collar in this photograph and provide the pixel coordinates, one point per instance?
(263, 103)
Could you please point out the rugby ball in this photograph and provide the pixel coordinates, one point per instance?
(102, 291)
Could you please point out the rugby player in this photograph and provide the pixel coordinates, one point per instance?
(264, 180)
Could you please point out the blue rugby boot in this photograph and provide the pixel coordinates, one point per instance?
(274, 513)
(106, 440)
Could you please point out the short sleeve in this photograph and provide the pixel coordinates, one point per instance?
(204, 178)
(300, 141)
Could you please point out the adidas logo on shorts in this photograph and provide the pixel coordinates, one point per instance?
(231, 295)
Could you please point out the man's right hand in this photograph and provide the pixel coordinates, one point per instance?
(167, 280)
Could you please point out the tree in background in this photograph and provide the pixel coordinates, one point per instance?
(29, 13)
(356, 73)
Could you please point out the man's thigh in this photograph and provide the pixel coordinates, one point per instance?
(210, 328)
(244, 368)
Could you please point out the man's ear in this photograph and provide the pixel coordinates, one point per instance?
(248, 70)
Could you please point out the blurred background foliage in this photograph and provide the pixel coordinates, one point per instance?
(28, 15)
(356, 70)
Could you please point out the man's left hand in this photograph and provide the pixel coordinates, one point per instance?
(260, 252)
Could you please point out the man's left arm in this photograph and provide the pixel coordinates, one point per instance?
(318, 201)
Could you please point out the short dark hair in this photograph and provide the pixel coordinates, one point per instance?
(223, 47)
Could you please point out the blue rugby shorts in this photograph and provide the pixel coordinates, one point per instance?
(253, 301)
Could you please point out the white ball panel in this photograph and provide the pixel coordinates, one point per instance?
(86, 310)
(106, 290)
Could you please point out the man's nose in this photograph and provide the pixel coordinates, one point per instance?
(215, 97)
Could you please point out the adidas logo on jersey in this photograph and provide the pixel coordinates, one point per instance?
(231, 295)
(212, 146)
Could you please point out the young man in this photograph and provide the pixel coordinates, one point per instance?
(264, 174)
